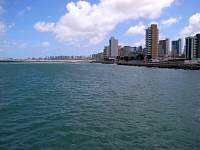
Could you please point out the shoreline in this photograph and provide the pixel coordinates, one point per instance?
(166, 65)
(44, 61)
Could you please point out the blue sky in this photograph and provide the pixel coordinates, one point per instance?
(39, 28)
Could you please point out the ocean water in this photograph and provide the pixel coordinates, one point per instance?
(98, 107)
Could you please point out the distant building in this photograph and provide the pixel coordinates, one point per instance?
(145, 51)
(98, 57)
(127, 50)
(152, 35)
(120, 51)
(63, 58)
(113, 45)
(106, 52)
(163, 48)
(176, 48)
(190, 45)
(139, 49)
(198, 45)
(184, 50)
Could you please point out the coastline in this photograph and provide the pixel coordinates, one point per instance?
(44, 61)
(166, 65)
(163, 65)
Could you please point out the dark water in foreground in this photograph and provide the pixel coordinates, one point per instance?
(98, 107)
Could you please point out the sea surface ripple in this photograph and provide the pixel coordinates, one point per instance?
(98, 107)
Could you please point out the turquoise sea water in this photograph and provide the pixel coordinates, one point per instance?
(98, 107)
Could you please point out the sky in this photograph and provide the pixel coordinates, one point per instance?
(40, 28)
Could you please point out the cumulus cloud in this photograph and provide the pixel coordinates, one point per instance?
(136, 30)
(92, 22)
(170, 21)
(193, 26)
(44, 27)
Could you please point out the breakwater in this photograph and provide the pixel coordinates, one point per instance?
(163, 65)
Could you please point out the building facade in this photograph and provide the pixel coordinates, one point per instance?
(113, 45)
(176, 48)
(152, 35)
(198, 45)
(127, 51)
(163, 48)
(98, 57)
(190, 47)
(106, 53)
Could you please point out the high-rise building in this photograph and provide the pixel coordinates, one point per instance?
(176, 48)
(152, 35)
(98, 57)
(120, 51)
(163, 48)
(106, 52)
(198, 45)
(139, 49)
(113, 45)
(127, 50)
(190, 45)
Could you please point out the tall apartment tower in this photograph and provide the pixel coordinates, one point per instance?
(106, 52)
(176, 48)
(113, 45)
(163, 48)
(198, 45)
(152, 35)
(190, 47)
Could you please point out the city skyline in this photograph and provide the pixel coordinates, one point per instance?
(29, 30)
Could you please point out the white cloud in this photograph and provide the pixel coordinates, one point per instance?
(154, 22)
(135, 44)
(44, 27)
(193, 27)
(136, 30)
(6, 45)
(139, 43)
(92, 22)
(170, 21)
(10, 45)
(45, 44)
(3, 27)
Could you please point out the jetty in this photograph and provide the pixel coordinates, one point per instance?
(169, 65)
